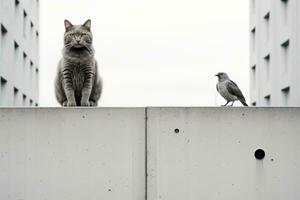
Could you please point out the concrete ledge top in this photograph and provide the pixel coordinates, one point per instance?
(158, 107)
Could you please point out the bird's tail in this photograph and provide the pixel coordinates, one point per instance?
(244, 103)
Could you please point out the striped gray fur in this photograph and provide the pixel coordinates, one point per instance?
(77, 82)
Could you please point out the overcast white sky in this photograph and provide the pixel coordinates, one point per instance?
(153, 53)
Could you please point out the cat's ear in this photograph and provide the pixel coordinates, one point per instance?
(88, 24)
(68, 25)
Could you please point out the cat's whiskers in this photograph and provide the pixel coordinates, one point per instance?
(68, 46)
(88, 48)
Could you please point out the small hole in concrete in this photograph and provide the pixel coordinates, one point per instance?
(176, 130)
(259, 154)
(272, 159)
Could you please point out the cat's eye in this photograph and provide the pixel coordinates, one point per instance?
(83, 34)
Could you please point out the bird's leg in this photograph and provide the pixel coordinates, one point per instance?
(226, 103)
(232, 103)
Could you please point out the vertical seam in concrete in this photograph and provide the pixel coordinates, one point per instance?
(146, 153)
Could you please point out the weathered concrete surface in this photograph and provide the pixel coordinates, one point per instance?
(99, 153)
(72, 154)
(211, 157)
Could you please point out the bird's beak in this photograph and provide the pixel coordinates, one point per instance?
(216, 75)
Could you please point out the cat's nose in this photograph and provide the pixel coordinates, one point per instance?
(77, 39)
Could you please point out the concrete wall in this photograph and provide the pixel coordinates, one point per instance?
(193, 153)
(212, 155)
(72, 154)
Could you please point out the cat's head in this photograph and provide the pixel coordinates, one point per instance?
(78, 36)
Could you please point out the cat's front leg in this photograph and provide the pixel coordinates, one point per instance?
(70, 97)
(69, 90)
(86, 91)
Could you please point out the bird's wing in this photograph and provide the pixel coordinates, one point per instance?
(234, 90)
(217, 87)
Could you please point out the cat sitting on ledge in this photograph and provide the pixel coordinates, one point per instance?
(77, 82)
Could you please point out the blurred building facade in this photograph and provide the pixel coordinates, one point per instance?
(19, 52)
(275, 52)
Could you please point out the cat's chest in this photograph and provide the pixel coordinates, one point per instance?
(78, 76)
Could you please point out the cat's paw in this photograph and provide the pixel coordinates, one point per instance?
(85, 103)
(92, 103)
(71, 104)
(65, 103)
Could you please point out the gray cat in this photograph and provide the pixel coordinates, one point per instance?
(77, 82)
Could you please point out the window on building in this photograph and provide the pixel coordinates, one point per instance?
(267, 16)
(268, 100)
(36, 77)
(3, 41)
(285, 96)
(16, 96)
(25, 21)
(16, 45)
(3, 30)
(24, 99)
(24, 59)
(286, 43)
(285, 55)
(31, 72)
(31, 30)
(16, 51)
(267, 66)
(17, 6)
(37, 41)
(3, 92)
(253, 76)
(267, 26)
(3, 33)
(253, 38)
(3, 83)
